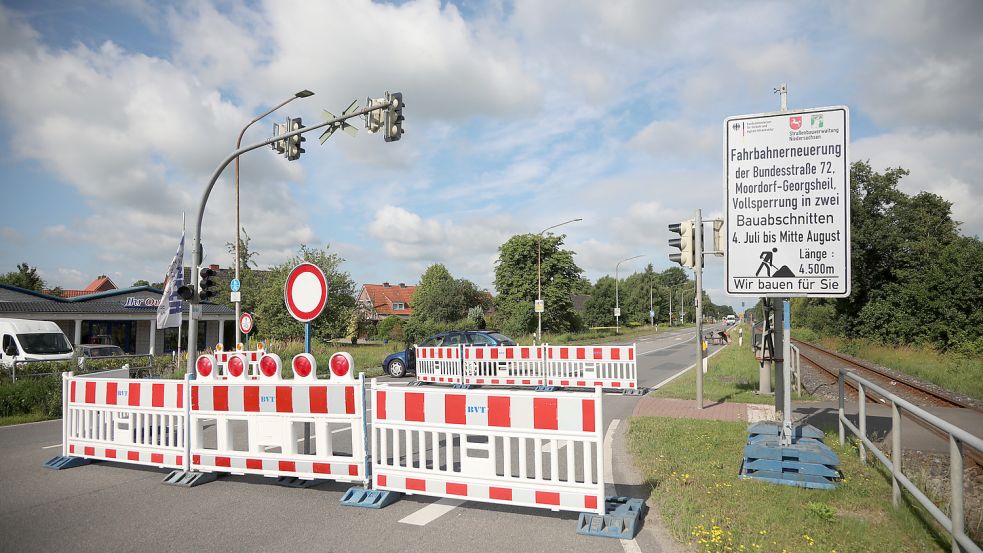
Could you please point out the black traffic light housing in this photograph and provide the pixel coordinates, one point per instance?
(187, 293)
(206, 284)
(686, 243)
(394, 117)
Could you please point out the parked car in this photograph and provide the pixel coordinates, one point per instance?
(97, 351)
(399, 364)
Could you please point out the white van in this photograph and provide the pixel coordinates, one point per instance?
(27, 340)
(731, 319)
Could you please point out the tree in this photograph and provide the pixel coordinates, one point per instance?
(599, 308)
(516, 283)
(25, 277)
(252, 282)
(441, 299)
(272, 318)
(140, 282)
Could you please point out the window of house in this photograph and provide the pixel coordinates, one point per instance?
(398, 305)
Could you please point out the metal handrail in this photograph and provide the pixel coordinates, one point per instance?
(958, 437)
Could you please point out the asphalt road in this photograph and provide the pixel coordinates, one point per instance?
(116, 507)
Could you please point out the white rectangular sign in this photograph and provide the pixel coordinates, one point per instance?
(787, 203)
(235, 296)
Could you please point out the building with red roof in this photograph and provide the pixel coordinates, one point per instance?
(379, 301)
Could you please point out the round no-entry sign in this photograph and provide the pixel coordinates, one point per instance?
(246, 323)
(306, 292)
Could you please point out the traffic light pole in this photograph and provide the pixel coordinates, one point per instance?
(196, 243)
(698, 270)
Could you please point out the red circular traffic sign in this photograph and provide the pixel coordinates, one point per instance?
(306, 292)
(245, 323)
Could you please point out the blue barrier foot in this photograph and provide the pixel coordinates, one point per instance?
(417, 383)
(462, 386)
(369, 499)
(634, 392)
(622, 521)
(294, 482)
(545, 388)
(62, 462)
(188, 479)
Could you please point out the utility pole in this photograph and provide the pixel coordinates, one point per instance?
(698, 270)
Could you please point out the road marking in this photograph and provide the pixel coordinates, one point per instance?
(432, 512)
(630, 546)
(51, 446)
(28, 423)
(682, 372)
(690, 339)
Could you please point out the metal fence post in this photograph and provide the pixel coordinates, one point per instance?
(956, 513)
(862, 413)
(842, 412)
(895, 454)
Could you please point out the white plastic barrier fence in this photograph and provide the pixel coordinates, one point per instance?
(251, 359)
(130, 421)
(563, 366)
(439, 364)
(592, 366)
(304, 427)
(515, 447)
(504, 365)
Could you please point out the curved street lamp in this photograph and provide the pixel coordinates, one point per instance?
(617, 304)
(539, 276)
(302, 94)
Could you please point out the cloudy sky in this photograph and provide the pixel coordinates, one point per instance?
(519, 116)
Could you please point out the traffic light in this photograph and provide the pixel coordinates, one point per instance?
(186, 292)
(280, 129)
(294, 148)
(206, 283)
(394, 117)
(686, 244)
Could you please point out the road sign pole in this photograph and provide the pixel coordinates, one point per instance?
(307, 337)
(786, 373)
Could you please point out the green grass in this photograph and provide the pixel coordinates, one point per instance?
(732, 376)
(692, 465)
(953, 371)
(21, 419)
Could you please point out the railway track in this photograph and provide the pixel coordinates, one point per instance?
(921, 394)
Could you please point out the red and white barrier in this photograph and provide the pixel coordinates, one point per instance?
(130, 421)
(439, 364)
(504, 365)
(304, 427)
(592, 366)
(517, 447)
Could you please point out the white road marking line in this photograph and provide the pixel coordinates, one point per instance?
(432, 512)
(630, 546)
(691, 338)
(51, 446)
(681, 373)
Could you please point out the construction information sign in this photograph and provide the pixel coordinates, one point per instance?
(787, 200)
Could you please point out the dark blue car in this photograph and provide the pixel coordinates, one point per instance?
(400, 363)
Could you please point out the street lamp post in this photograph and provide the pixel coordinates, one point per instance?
(617, 303)
(539, 276)
(302, 94)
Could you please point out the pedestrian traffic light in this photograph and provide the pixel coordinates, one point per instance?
(294, 148)
(206, 283)
(686, 243)
(394, 117)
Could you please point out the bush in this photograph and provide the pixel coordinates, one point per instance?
(31, 395)
(391, 328)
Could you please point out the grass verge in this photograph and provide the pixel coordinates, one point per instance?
(692, 465)
(25, 418)
(953, 371)
(732, 376)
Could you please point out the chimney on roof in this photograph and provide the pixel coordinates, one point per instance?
(213, 267)
(385, 285)
(402, 285)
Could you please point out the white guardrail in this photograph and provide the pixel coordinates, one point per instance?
(563, 366)
(955, 523)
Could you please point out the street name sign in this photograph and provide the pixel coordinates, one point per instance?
(787, 203)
